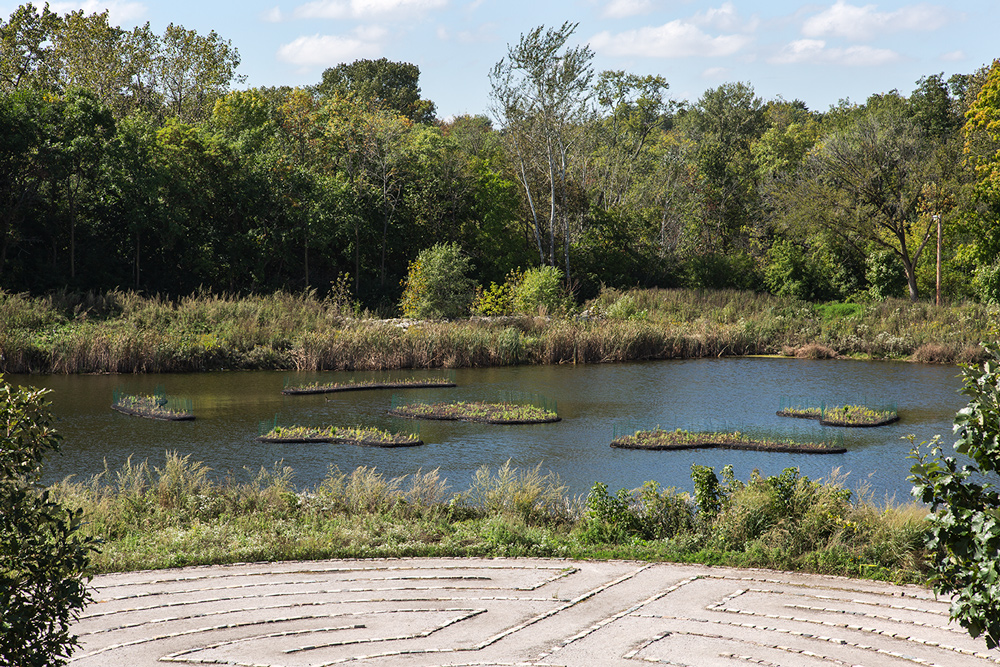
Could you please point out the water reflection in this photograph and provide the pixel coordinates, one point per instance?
(743, 393)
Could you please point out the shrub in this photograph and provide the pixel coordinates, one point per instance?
(885, 275)
(498, 299)
(541, 289)
(42, 556)
(648, 513)
(626, 308)
(987, 282)
(438, 284)
(790, 272)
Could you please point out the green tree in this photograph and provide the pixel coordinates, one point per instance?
(392, 85)
(78, 143)
(26, 58)
(723, 127)
(193, 70)
(43, 559)
(21, 172)
(982, 151)
(540, 93)
(964, 533)
(113, 63)
(632, 109)
(866, 184)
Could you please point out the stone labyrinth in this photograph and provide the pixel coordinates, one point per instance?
(424, 612)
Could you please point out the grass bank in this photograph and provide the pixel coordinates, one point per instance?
(180, 514)
(124, 332)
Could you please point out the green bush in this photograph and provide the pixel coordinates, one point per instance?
(541, 290)
(721, 271)
(438, 284)
(987, 283)
(42, 556)
(885, 275)
(498, 299)
(791, 272)
(648, 513)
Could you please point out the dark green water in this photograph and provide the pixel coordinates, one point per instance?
(739, 394)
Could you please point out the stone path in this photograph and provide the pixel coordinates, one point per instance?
(507, 612)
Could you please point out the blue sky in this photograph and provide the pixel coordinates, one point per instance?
(818, 52)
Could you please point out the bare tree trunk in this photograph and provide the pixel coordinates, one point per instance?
(531, 202)
(552, 204)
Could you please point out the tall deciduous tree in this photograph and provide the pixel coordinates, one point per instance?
(26, 58)
(982, 151)
(194, 70)
(633, 108)
(21, 171)
(113, 63)
(866, 184)
(392, 85)
(541, 93)
(724, 126)
(79, 146)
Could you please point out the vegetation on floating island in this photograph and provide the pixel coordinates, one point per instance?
(150, 406)
(475, 411)
(663, 439)
(366, 436)
(352, 385)
(844, 415)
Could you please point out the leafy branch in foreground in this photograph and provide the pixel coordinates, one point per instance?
(42, 553)
(964, 533)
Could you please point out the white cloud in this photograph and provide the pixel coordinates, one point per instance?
(118, 12)
(864, 23)
(815, 51)
(953, 56)
(676, 39)
(620, 9)
(717, 73)
(273, 15)
(725, 18)
(329, 50)
(365, 9)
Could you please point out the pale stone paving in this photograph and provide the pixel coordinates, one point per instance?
(512, 612)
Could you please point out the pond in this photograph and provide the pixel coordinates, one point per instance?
(696, 394)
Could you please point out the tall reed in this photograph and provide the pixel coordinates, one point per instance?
(182, 513)
(123, 332)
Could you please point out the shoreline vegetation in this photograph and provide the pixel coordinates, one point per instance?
(183, 513)
(476, 411)
(364, 436)
(667, 440)
(125, 332)
(360, 385)
(855, 416)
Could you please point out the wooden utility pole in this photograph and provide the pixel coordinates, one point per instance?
(937, 219)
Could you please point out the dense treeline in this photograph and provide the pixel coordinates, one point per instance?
(127, 161)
